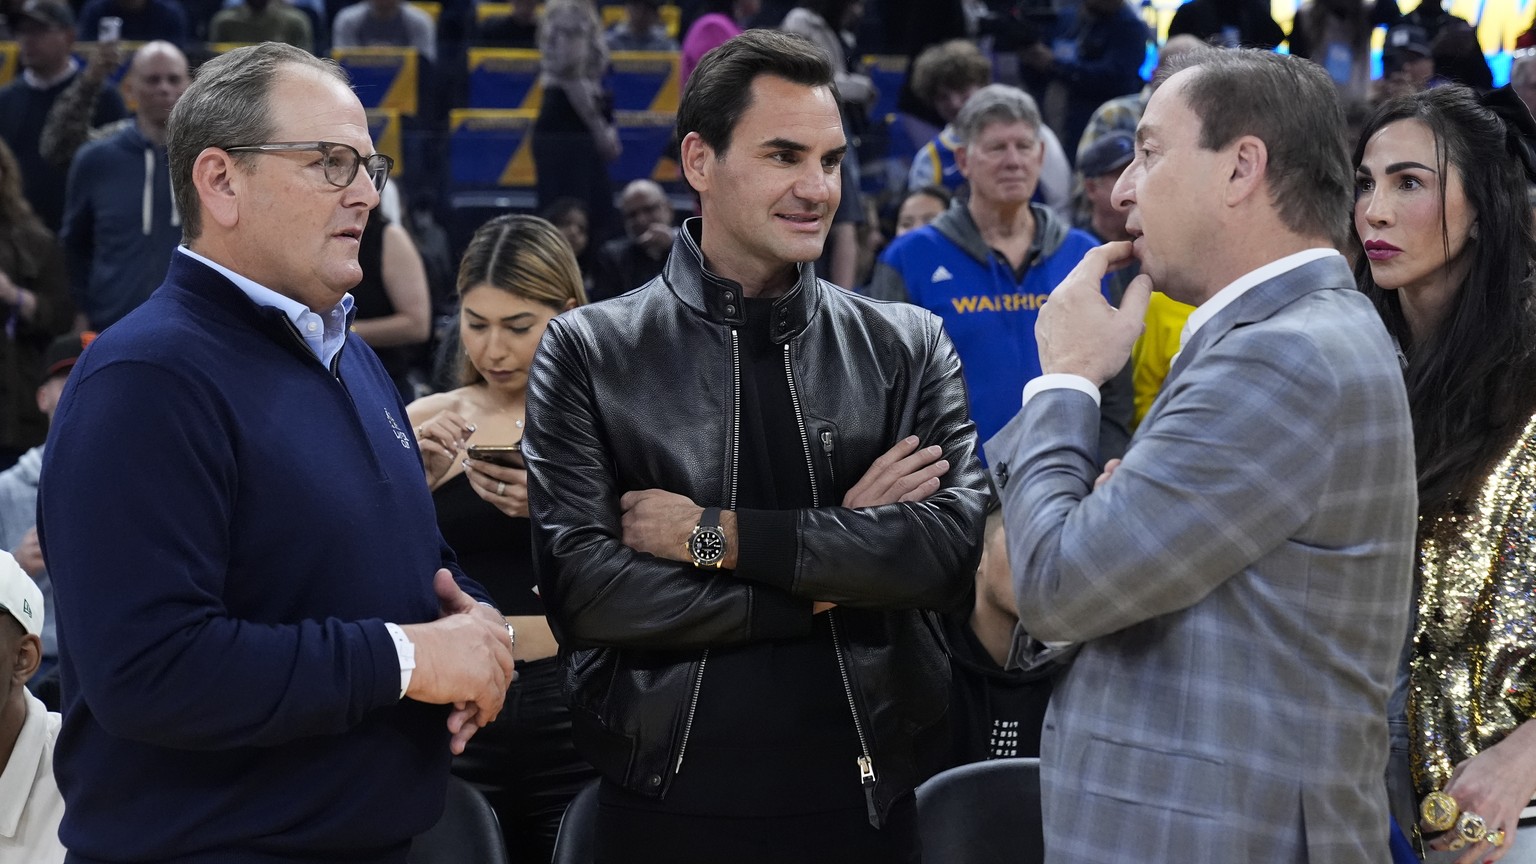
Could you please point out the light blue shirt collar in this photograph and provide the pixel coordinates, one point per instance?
(324, 334)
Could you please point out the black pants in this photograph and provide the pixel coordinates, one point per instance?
(526, 764)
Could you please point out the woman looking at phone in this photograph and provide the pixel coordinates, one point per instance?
(1445, 231)
(517, 273)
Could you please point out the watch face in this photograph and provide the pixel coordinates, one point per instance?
(707, 545)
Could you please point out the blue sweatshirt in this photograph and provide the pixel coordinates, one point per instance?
(229, 525)
(120, 224)
(988, 308)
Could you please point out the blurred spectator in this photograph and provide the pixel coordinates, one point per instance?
(29, 832)
(143, 21)
(722, 20)
(822, 22)
(574, 137)
(1100, 166)
(569, 216)
(262, 21)
(393, 311)
(385, 22)
(985, 268)
(1458, 56)
(1094, 54)
(1430, 15)
(641, 29)
(120, 222)
(34, 298)
(1124, 112)
(45, 35)
(1407, 63)
(994, 712)
(921, 206)
(947, 74)
(630, 261)
(1336, 34)
(519, 28)
(69, 123)
(826, 24)
(1522, 79)
(18, 496)
(1228, 23)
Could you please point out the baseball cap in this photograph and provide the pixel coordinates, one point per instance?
(1110, 153)
(49, 13)
(20, 596)
(63, 352)
(1407, 39)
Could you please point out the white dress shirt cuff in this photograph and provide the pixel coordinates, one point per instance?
(1059, 381)
(405, 649)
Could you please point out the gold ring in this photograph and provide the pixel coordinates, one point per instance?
(1439, 811)
(1456, 843)
(1471, 827)
(501, 487)
(1495, 839)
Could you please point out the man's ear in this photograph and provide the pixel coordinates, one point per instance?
(963, 160)
(697, 157)
(1250, 169)
(218, 186)
(29, 655)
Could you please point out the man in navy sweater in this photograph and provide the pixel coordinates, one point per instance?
(260, 627)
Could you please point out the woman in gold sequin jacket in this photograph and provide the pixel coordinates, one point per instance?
(1446, 245)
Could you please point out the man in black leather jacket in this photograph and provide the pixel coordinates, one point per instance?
(757, 671)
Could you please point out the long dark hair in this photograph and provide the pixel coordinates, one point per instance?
(1470, 382)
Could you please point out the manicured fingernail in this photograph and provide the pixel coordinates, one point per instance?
(910, 439)
(935, 449)
(942, 464)
(471, 427)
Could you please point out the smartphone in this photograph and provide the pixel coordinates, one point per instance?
(110, 29)
(505, 455)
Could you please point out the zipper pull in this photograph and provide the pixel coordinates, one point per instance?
(826, 442)
(867, 780)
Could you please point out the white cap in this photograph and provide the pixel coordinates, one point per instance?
(20, 596)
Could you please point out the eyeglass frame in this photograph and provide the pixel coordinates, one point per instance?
(324, 148)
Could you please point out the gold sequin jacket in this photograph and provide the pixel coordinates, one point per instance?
(1473, 674)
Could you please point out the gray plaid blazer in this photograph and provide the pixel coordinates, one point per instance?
(1240, 589)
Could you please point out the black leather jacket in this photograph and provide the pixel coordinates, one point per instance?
(639, 392)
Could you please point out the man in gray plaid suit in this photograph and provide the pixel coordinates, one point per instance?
(1238, 587)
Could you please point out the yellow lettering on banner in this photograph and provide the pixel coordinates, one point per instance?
(1016, 302)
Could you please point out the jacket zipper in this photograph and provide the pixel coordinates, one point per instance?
(866, 764)
(826, 447)
(698, 675)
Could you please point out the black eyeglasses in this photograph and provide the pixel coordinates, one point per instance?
(341, 161)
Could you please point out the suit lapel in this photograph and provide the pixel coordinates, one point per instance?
(1257, 304)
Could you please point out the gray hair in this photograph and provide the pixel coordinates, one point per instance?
(995, 103)
(1523, 68)
(227, 105)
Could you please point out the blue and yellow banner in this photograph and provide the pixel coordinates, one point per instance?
(504, 78)
(384, 127)
(645, 136)
(643, 80)
(382, 77)
(490, 147)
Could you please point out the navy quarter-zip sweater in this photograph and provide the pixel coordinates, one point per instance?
(229, 525)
